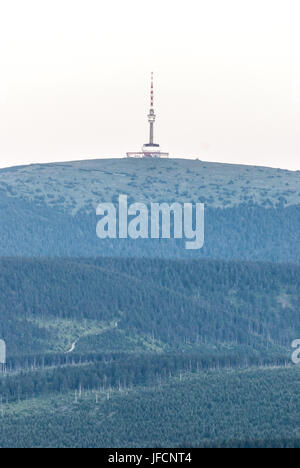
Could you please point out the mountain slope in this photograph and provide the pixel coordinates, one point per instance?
(251, 213)
(232, 408)
(154, 306)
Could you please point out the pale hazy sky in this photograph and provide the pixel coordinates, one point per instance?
(74, 79)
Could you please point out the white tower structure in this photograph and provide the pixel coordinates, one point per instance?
(151, 149)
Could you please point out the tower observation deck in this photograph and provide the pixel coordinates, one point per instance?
(151, 149)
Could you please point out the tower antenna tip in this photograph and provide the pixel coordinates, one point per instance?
(152, 93)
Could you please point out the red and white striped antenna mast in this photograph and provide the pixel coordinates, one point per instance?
(152, 92)
(151, 115)
(151, 149)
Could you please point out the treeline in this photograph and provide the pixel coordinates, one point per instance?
(256, 407)
(25, 379)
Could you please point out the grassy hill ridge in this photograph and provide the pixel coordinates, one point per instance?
(81, 185)
(250, 212)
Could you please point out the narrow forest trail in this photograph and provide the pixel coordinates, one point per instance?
(72, 347)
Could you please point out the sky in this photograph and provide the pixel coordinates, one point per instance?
(75, 79)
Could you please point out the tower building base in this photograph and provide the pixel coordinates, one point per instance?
(147, 154)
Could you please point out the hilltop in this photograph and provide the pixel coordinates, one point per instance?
(252, 213)
(81, 185)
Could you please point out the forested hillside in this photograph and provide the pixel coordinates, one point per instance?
(251, 213)
(145, 352)
(217, 408)
(122, 343)
(147, 305)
